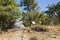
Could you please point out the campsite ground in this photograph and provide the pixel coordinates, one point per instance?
(53, 33)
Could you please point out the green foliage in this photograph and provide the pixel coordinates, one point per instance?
(5, 19)
(41, 17)
(8, 11)
(10, 6)
(33, 16)
(54, 10)
(29, 5)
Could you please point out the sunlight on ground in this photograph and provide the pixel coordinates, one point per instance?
(52, 34)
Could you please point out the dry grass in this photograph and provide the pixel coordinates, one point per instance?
(52, 34)
(33, 38)
(54, 28)
(39, 28)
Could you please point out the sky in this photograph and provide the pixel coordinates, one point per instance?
(43, 4)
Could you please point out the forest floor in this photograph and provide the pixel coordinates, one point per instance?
(52, 34)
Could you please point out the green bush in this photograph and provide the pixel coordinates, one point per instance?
(27, 23)
(8, 11)
(5, 19)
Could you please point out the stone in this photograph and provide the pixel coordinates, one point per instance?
(19, 25)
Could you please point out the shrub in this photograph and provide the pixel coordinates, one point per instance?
(39, 28)
(5, 19)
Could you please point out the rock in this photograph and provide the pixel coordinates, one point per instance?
(19, 25)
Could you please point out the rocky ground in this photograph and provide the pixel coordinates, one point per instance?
(52, 34)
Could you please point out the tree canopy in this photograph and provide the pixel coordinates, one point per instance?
(8, 11)
(54, 10)
(29, 5)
